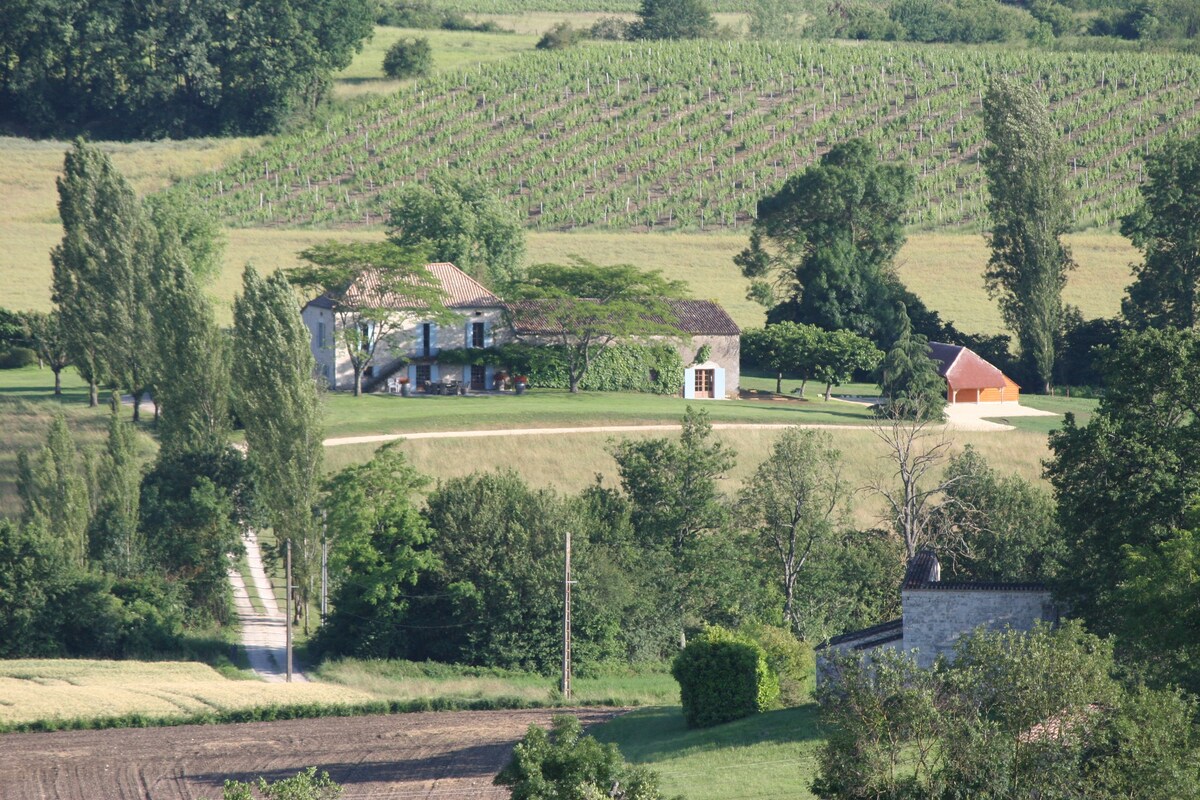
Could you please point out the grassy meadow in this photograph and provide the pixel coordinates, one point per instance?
(767, 756)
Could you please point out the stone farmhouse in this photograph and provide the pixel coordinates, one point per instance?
(484, 320)
(937, 613)
(971, 379)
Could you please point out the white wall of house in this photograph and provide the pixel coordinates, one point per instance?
(935, 619)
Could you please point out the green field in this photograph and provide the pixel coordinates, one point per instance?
(691, 135)
(768, 756)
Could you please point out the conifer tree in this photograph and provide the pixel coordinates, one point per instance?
(908, 377)
(276, 397)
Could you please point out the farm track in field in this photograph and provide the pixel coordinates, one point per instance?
(450, 755)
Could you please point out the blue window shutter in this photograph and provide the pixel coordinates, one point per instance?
(433, 345)
(434, 377)
(689, 383)
(719, 383)
(412, 375)
(487, 334)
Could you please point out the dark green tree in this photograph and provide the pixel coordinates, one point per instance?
(462, 221)
(1127, 485)
(677, 511)
(1166, 287)
(1028, 205)
(408, 58)
(565, 763)
(908, 377)
(792, 505)
(380, 549)
(304, 785)
(673, 19)
(31, 568)
(176, 69)
(275, 396)
(584, 308)
(822, 246)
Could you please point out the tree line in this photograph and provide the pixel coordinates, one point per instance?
(151, 543)
(145, 71)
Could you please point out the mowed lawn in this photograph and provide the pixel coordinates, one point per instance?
(766, 757)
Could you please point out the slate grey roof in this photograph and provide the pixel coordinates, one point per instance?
(695, 317)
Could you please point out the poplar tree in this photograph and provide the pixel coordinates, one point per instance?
(114, 538)
(47, 336)
(101, 284)
(54, 492)
(275, 394)
(1026, 172)
(192, 379)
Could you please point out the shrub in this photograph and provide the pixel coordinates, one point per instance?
(791, 660)
(723, 677)
(560, 36)
(408, 58)
(613, 29)
(16, 357)
(565, 763)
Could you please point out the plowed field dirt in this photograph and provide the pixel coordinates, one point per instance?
(451, 755)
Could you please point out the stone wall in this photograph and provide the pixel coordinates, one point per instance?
(726, 351)
(935, 619)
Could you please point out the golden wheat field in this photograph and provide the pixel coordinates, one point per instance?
(42, 689)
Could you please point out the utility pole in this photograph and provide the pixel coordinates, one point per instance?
(324, 568)
(566, 665)
(288, 605)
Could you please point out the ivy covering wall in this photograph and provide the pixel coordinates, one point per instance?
(655, 368)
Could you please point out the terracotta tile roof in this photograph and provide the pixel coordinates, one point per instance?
(964, 369)
(695, 317)
(462, 291)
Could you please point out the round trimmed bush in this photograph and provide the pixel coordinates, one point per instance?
(723, 677)
(16, 357)
(408, 58)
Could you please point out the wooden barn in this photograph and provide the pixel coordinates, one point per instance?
(971, 379)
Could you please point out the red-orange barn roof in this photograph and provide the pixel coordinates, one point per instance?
(963, 368)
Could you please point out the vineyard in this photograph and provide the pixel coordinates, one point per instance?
(690, 135)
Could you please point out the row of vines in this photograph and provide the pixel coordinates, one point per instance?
(689, 135)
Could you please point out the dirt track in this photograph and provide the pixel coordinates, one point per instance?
(404, 756)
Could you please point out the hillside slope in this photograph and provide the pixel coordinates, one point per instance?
(689, 135)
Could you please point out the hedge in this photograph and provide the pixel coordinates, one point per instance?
(723, 677)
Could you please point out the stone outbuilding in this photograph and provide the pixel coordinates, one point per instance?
(937, 613)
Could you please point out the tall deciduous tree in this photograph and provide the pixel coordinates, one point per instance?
(791, 504)
(821, 248)
(676, 506)
(276, 398)
(462, 221)
(1026, 172)
(674, 19)
(1166, 287)
(192, 376)
(54, 492)
(584, 308)
(375, 289)
(840, 354)
(45, 333)
(114, 536)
